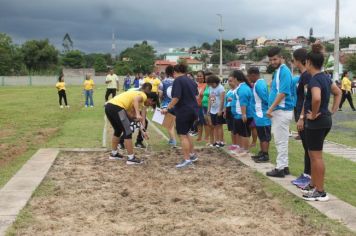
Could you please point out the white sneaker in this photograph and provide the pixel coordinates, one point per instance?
(86, 106)
(184, 163)
(61, 106)
(67, 106)
(91, 106)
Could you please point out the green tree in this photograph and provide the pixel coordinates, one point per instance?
(39, 55)
(100, 64)
(123, 68)
(329, 47)
(206, 46)
(350, 64)
(227, 57)
(139, 58)
(346, 41)
(73, 59)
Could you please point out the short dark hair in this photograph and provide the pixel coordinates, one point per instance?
(253, 71)
(169, 71)
(154, 97)
(240, 76)
(316, 55)
(300, 55)
(213, 79)
(274, 52)
(146, 85)
(181, 68)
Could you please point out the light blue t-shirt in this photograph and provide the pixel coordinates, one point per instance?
(242, 98)
(215, 100)
(282, 83)
(260, 103)
(228, 98)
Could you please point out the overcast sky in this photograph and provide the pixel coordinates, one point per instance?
(167, 23)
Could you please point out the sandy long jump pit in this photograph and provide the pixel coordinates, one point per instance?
(87, 194)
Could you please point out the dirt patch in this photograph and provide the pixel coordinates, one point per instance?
(95, 196)
(10, 151)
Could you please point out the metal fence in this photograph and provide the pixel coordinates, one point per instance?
(49, 80)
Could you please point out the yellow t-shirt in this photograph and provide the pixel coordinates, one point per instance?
(89, 84)
(155, 83)
(61, 86)
(346, 84)
(114, 79)
(126, 99)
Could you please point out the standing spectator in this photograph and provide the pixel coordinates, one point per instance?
(112, 82)
(346, 91)
(167, 85)
(242, 111)
(127, 82)
(216, 108)
(260, 107)
(318, 120)
(280, 110)
(140, 80)
(300, 57)
(184, 102)
(156, 83)
(61, 87)
(201, 119)
(136, 82)
(88, 91)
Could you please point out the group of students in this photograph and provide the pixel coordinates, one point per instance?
(248, 104)
(88, 90)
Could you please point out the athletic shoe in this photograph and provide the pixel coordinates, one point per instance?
(194, 158)
(116, 157)
(276, 173)
(193, 133)
(61, 106)
(68, 106)
(232, 148)
(121, 146)
(262, 159)
(286, 171)
(210, 145)
(316, 196)
(140, 145)
(91, 106)
(134, 161)
(307, 189)
(260, 153)
(86, 106)
(216, 145)
(172, 143)
(301, 181)
(184, 164)
(222, 144)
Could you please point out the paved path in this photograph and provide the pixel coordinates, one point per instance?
(340, 150)
(16, 193)
(335, 208)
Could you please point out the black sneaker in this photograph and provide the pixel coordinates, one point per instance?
(276, 173)
(262, 159)
(286, 171)
(307, 189)
(134, 161)
(216, 145)
(222, 144)
(117, 157)
(260, 153)
(140, 145)
(121, 146)
(316, 196)
(194, 158)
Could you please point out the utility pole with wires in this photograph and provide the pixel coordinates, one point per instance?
(221, 30)
(337, 42)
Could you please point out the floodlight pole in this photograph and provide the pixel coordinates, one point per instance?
(337, 42)
(221, 30)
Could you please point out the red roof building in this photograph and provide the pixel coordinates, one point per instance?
(161, 65)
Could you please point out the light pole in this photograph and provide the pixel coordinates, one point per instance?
(221, 30)
(337, 42)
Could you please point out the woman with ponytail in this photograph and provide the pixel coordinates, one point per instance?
(318, 120)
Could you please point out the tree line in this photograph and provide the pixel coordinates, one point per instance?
(40, 57)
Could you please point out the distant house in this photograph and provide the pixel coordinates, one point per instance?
(194, 64)
(161, 65)
(350, 50)
(234, 65)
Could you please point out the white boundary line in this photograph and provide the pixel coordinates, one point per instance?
(158, 130)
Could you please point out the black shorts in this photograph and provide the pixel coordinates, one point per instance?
(184, 122)
(315, 138)
(217, 120)
(112, 113)
(241, 128)
(264, 133)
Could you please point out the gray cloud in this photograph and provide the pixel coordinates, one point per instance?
(168, 23)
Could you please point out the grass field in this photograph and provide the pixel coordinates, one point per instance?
(30, 119)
